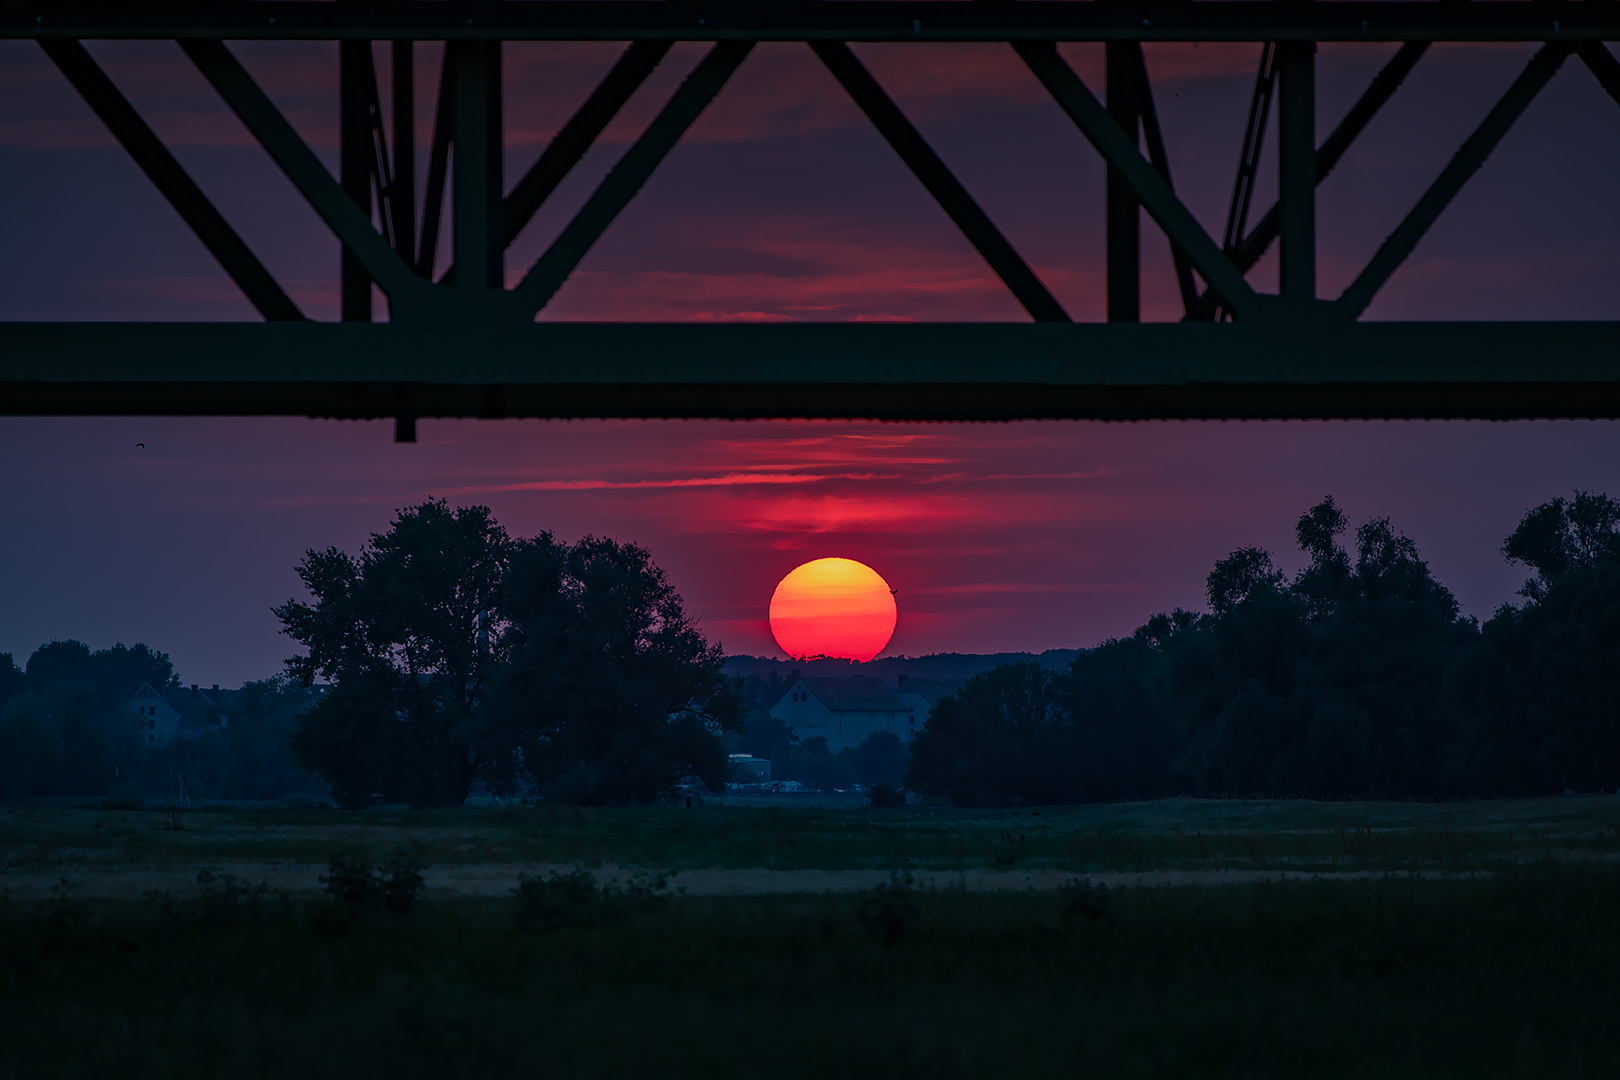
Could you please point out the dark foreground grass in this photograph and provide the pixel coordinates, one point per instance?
(1297, 836)
(1512, 975)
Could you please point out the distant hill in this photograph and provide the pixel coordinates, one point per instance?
(891, 669)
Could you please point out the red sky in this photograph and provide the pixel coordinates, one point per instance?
(783, 204)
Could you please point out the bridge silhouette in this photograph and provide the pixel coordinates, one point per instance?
(462, 344)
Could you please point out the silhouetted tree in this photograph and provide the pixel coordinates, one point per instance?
(881, 758)
(1563, 535)
(1539, 693)
(1123, 740)
(609, 692)
(815, 765)
(12, 679)
(1332, 685)
(766, 737)
(407, 635)
(1002, 739)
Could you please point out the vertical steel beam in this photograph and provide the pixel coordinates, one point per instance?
(357, 159)
(1249, 249)
(1296, 169)
(1158, 197)
(569, 145)
(402, 199)
(1122, 61)
(479, 243)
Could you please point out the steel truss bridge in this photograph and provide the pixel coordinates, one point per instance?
(464, 345)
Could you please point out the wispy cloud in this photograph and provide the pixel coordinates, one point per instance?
(727, 480)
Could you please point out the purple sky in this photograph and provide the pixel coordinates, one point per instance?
(784, 204)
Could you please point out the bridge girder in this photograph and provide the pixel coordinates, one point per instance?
(462, 345)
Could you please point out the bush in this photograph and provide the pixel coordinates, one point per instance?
(889, 912)
(885, 796)
(1079, 900)
(575, 899)
(395, 887)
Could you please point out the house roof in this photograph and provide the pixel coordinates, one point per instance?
(930, 690)
(854, 694)
(193, 703)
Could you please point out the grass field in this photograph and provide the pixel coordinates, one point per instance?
(84, 843)
(1463, 939)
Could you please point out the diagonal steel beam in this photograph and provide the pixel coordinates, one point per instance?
(1157, 196)
(352, 226)
(549, 272)
(1383, 86)
(1154, 137)
(1467, 161)
(946, 189)
(569, 145)
(1254, 138)
(171, 180)
(438, 169)
(581, 131)
(1601, 62)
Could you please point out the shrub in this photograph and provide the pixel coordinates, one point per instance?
(396, 886)
(575, 899)
(885, 796)
(889, 912)
(1079, 899)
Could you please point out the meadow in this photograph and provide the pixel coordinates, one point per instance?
(1319, 939)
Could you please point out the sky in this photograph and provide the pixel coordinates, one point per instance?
(783, 204)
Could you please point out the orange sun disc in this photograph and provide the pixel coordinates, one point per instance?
(833, 607)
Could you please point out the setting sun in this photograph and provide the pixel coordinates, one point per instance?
(833, 607)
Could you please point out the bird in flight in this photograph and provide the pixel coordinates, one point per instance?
(141, 445)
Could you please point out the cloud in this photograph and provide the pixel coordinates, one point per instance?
(728, 480)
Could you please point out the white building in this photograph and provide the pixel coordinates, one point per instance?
(177, 713)
(921, 695)
(842, 711)
(748, 769)
(157, 721)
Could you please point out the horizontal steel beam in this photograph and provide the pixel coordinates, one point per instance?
(803, 20)
(933, 371)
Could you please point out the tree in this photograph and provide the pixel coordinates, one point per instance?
(408, 635)
(609, 693)
(817, 767)
(999, 740)
(1540, 689)
(764, 736)
(1123, 741)
(12, 679)
(128, 667)
(1328, 686)
(1563, 535)
(881, 758)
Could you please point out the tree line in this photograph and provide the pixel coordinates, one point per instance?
(67, 730)
(1355, 678)
(448, 654)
